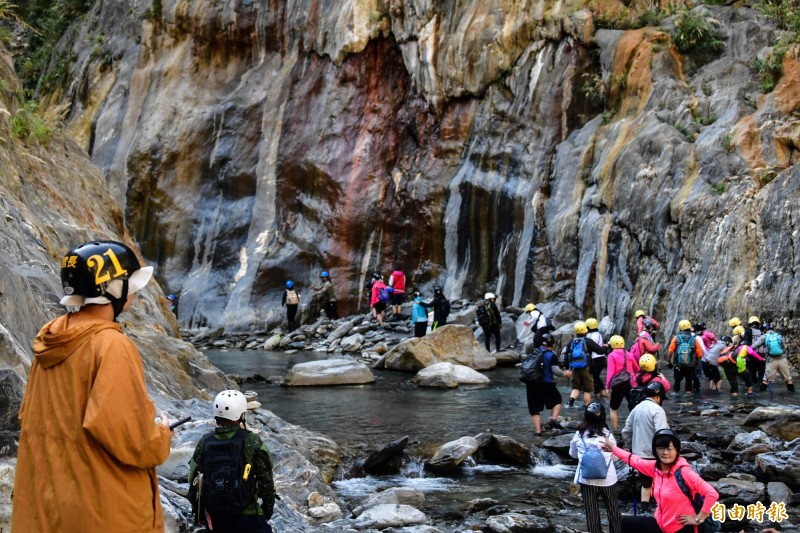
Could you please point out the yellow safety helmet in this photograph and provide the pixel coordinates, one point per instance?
(738, 330)
(591, 323)
(529, 308)
(639, 313)
(684, 325)
(753, 320)
(616, 342)
(647, 363)
(733, 322)
(580, 328)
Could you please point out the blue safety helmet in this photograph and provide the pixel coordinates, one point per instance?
(289, 284)
(171, 297)
(325, 274)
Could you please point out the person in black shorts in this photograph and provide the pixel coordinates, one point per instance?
(545, 394)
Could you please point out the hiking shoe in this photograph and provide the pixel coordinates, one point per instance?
(572, 402)
(554, 424)
(537, 433)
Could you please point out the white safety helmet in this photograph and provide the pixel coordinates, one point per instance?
(230, 404)
(488, 296)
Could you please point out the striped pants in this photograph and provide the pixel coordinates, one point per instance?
(591, 495)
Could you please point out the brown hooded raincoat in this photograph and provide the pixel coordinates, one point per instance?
(88, 445)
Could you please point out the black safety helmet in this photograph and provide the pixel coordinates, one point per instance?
(595, 413)
(437, 290)
(662, 437)
(375, 275)
(417, 294)
(88, 270)
(768, 326)
(699, 326)
(548, 340)
(649, 324)
(656, 388)
(727, 339)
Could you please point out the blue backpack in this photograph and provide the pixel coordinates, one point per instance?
(383, 295)
(578, 355)
(684, 351)
(774, 344)
(593, 463)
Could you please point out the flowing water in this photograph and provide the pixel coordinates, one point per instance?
(374, 415)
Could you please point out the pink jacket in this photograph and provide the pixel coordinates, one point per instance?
(640, 323)
(708, 338)
(672, 502)
(663, 381)
(616, 360)
(376, 287)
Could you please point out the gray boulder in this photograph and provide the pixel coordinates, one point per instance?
(392, 496)
(513, 522)
(453, 453)
(448, 376)
(329, 372)
(781, 421)
(390, 515)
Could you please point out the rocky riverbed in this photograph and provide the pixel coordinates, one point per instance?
(747, 449)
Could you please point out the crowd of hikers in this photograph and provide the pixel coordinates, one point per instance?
(85, 367)
(609, 371)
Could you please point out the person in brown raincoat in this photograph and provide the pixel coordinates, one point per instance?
(89, 442)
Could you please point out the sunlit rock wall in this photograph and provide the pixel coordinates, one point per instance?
(255, 142)
(51, 198)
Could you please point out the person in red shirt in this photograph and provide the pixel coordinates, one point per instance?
(397, 281)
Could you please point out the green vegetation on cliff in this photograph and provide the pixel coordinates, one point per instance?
(50, 19)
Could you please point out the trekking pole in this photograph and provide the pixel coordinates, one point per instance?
(179, 422)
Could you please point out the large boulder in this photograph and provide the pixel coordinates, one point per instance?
(392, 496)
(499, 449)
(781, 421)
(451, 343)
(329, 372)
(453, 453)
(448, 376)
(780, 466)
(389, 515)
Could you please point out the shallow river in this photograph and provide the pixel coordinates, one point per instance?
(392, 408)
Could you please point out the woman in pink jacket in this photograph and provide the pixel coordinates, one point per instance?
(675, 512)
(619, 360)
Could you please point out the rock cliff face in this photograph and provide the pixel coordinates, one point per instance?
(254, 142)
(52, 198)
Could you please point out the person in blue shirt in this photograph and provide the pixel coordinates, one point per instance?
(419, 316)
(545, 394)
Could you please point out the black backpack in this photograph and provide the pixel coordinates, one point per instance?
(441, 306)
(482, 314)
(224, 490)
(532, 369)
(639, 393)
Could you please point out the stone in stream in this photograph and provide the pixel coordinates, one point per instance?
(448, 376)
(499, 449)
(452, 454)
(780, 466)
(509, 522)
(781, 421)
(329, 372)
(393, 495)
(389, 515)
(384, 461)
(446, 344)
